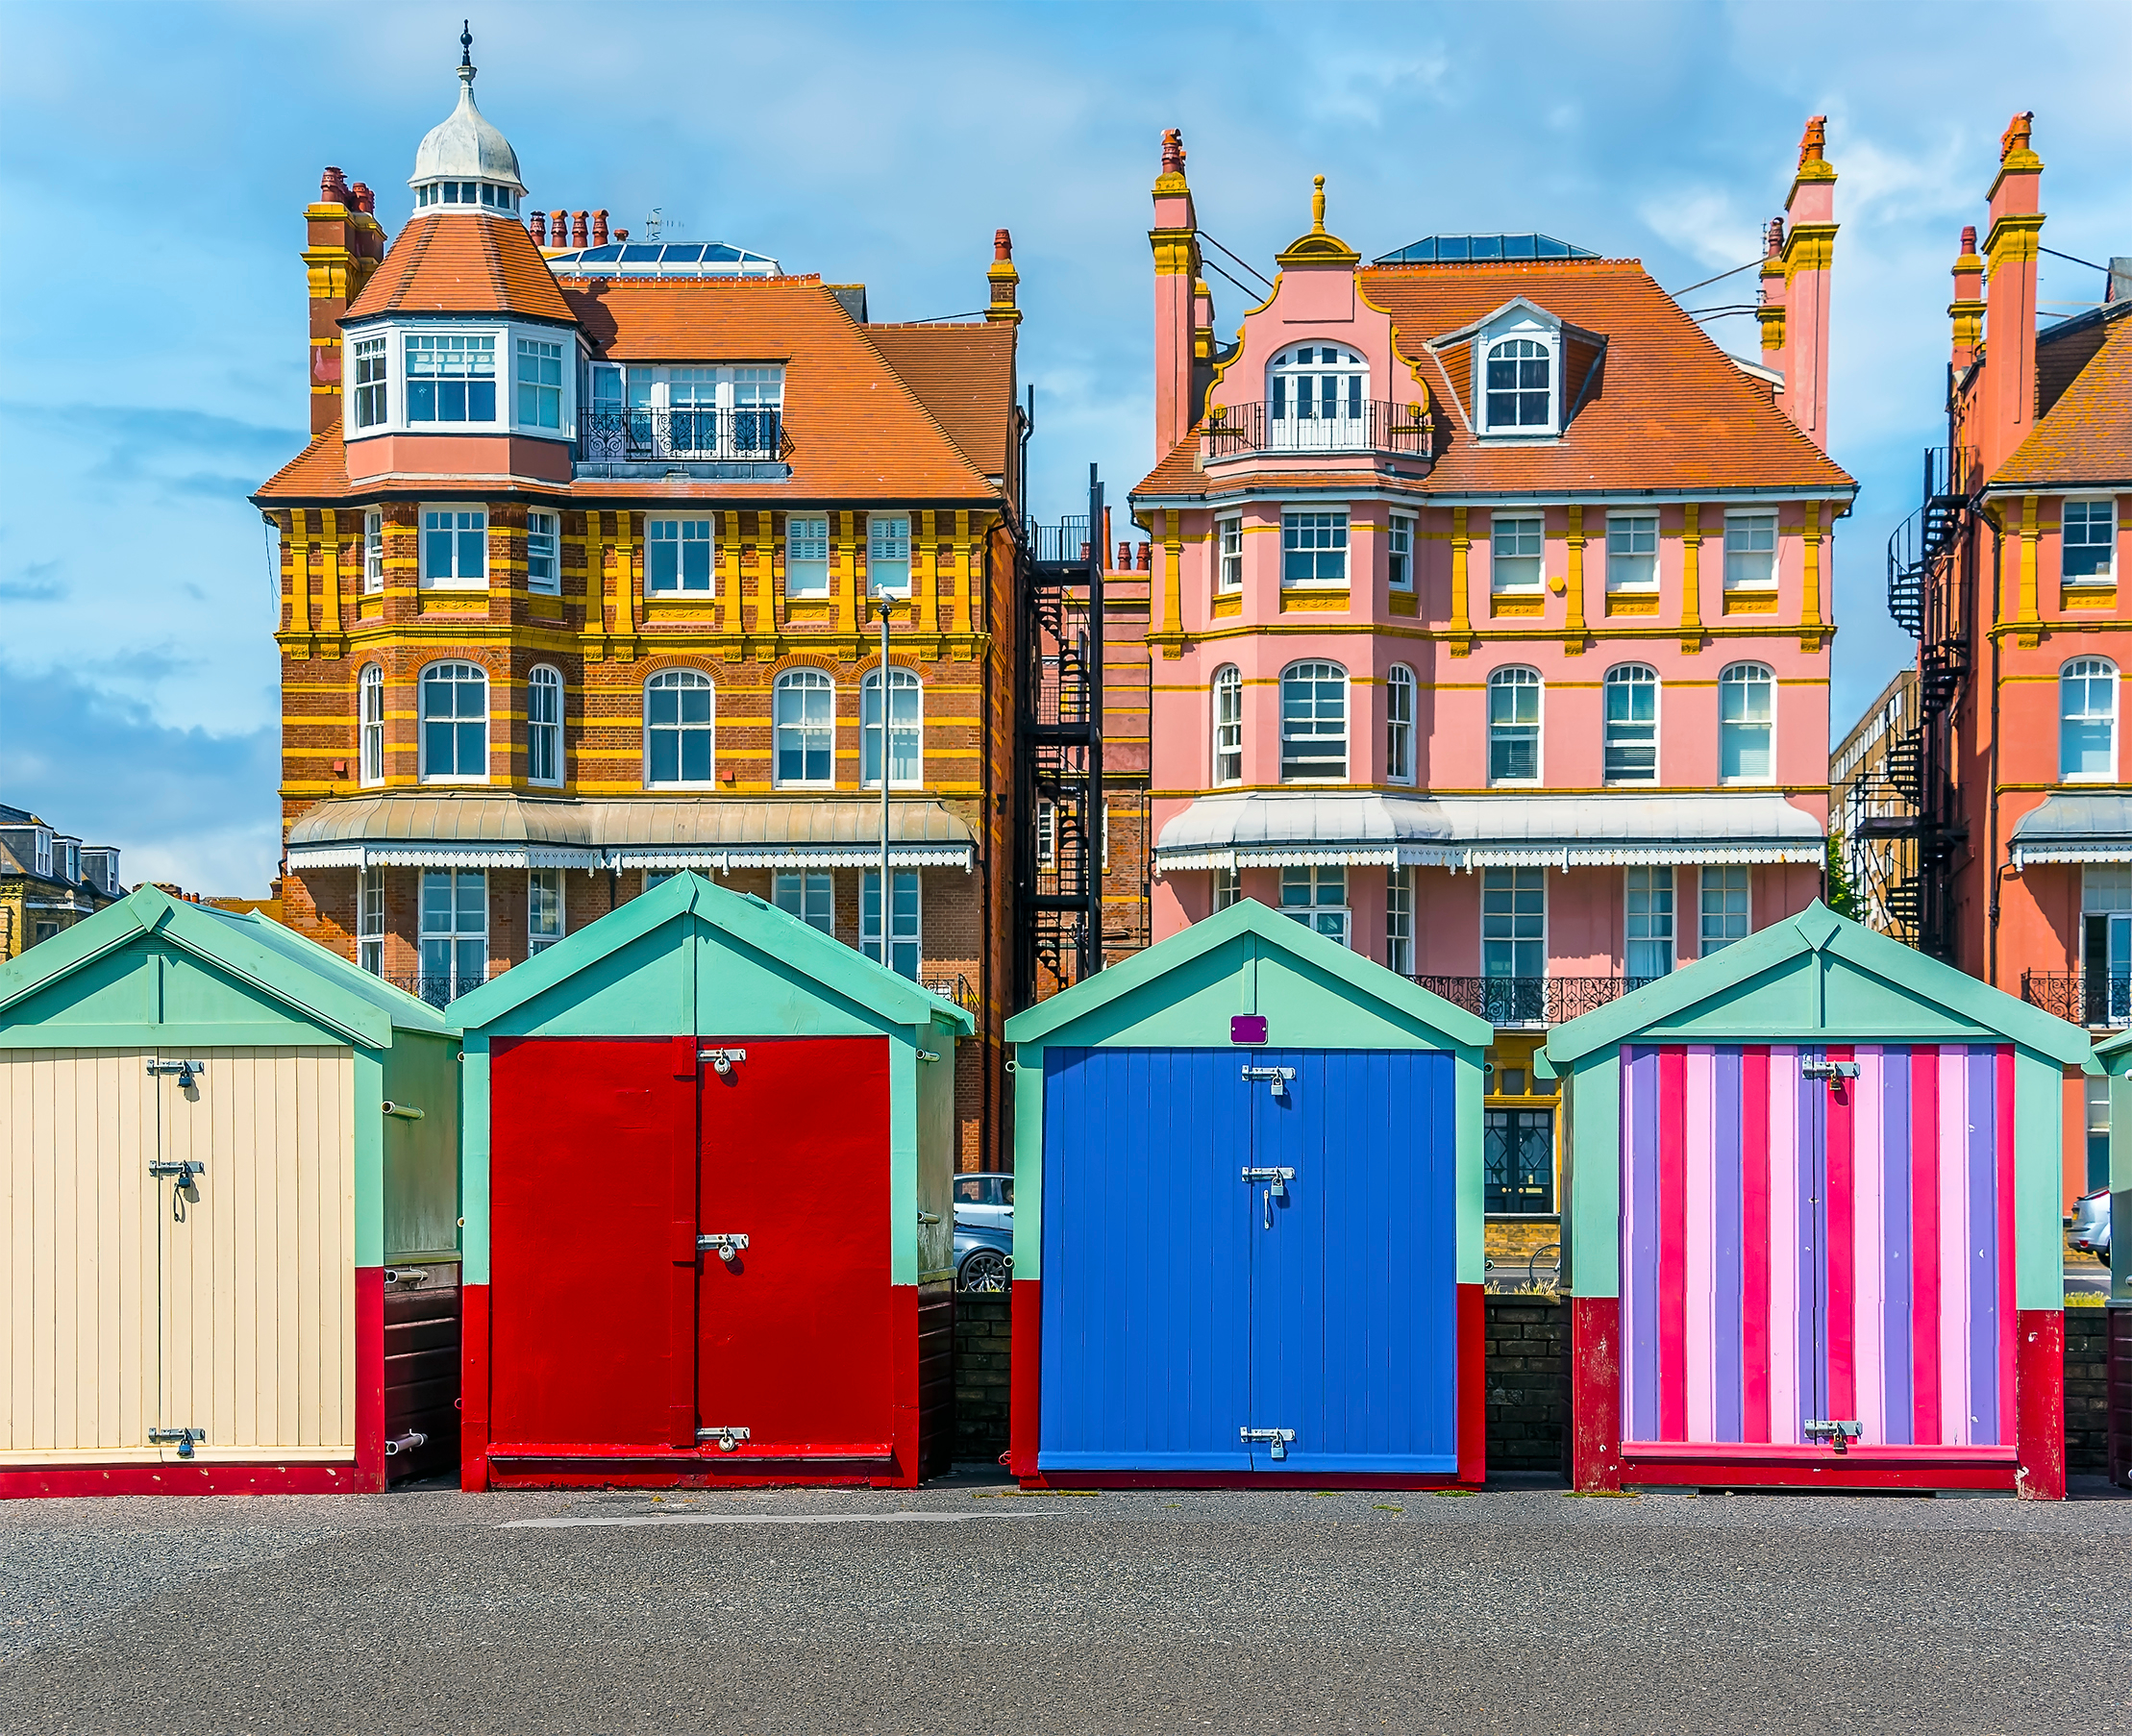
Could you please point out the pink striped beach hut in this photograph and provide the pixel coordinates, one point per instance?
(1813, 1235)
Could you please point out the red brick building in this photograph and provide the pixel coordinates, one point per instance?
(580, 577)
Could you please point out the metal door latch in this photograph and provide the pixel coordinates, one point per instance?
(1831, 1071)
(1277, 1188)
(727, 1438)
(182, 1167)
(1277, 1438)
(187, 1071)
(1838, 1433)
(727, 1248)
(183, 1439)
(721, 1059)
(1279, 1076)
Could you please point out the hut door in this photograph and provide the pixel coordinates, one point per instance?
(794, 1331)
(1817, 1247)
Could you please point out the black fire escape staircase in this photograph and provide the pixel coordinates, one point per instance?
(1931, 585)
(1059, 752)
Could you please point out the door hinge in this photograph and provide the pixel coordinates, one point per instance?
(1277, 1438)
(727, 1438)
(727, 1248)
(187, 1071)
(183, 1439)
(1279, 1076)
(721, 1059)
(1838, 1433)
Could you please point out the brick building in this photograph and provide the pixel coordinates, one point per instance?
(580, 577)
(49, 881)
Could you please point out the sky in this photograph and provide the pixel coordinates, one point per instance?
(155, 161)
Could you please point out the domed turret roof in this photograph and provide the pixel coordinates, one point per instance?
(466, 146)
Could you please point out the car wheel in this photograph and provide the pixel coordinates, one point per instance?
(985, 1270)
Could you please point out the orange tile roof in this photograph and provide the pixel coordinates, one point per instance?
(964, 375)
(1669, 410)
(2086, 436)
(462, 262)
(318, 472)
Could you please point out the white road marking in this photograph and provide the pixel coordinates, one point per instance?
(656, 1519)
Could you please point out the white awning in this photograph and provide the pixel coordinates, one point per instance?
(2074, 829)
(1278, 829)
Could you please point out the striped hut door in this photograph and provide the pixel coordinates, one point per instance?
(1797, 1249)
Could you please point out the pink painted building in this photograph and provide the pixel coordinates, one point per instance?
(1491, 611)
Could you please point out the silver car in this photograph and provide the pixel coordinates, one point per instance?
(984, 1199)
(2091, 1224)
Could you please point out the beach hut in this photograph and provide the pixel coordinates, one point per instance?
(228, 1203)
(709, 1240)
(2116, 1058)
(1248, 1227)
(1812, 1236)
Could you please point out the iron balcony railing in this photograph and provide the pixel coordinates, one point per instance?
(611, 434)
(1531, 999)
(1239, 430)
(439, 991)
(1059, 543)
(2095, 999)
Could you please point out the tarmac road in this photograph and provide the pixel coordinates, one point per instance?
(963, 1606)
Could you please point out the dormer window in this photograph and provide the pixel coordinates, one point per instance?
(1520, 386)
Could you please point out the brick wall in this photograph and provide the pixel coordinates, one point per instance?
(1527, 1382)
(984, 1331)
(2087, 1398)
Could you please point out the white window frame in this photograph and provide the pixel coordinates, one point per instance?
(697, 681)
(373, 550)
(900, 933)
(464, 522)
(2107, 572)
(1398, 919)
(370, 725)
(538, 353)
(1631, 567)
(1401, 693)
(1654, 885)
(1726, 676)
(1510, 876)
(1507, 573)
(370, 920)
(457, 980)
(1328, 559)
(1227, 685)
(1300, 416)
(1629, 676)
(370, 383)
(1748, 568)
(1047, 833)
(795, 681)
(2087, 671)
(1507, 678)
(1317, 676)
(1225, 888)
(456, 722)
(888, 559)
(1399, 547)
(809, 896)
(544, 553)
(680, 584)
(437, 345)
(900, 680)
(1522, 328)
(807, 572)
(544, 679)
(546, 909)
(1707, 941)
(1228, 554)
(1333, 918)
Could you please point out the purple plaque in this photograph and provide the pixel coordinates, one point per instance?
(1248, 1028)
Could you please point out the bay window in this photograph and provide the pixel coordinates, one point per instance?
(1228, 569)
(1514, 725)
(454, 546)
(678, 725)
(809, 897)
(544, 553)
(1398, 919)
(1313, 548)
(1400, 544)
(540, 384)
(1399, 724)
(370, 920)
(1313, 723)
(371, 725)
(373, 550)
(1632, 724)
(1651, 923)
(1229, 725)
(544, 726)
(368, 354)
(803, 723)
(905, 729)
(1317, 897)
(453, 701)
(450, 378)
(453, 941)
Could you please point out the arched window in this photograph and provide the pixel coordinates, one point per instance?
(1632, 724)
(1514, 725)
(1229, 725)
(679, 711)
(806, 722)
(544, 726)
(1520, 386)
(371, 725)
(2088, 721)
(1313, 722)
(1399, 724)
(1746, 723)
(904, 724)
(455, 724)
(1314, 395)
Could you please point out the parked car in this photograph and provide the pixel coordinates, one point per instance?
(984, 1199)
(2091, 1224)
(983, 1256)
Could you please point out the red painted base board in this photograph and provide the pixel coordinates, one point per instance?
(1595, 1394)
(1850, 1471)
(2039, 1403)
(187, 1479)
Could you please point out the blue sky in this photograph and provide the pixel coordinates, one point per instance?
(155, 161)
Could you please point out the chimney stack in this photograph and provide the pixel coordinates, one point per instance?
(1794, 286)
(578, 236)
(1004, 281)
(1175, 241)
(537, 222)
(1967, 308)
(2010, 260)
(599, 229)
(342, 246)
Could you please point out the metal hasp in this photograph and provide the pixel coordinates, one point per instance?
(727, 1248)
(1275, 1438)
(187, 1071)
(1834, 1072)
(1279, 1076)
(1838, 1433)
(721, 1059)
(1277, 1180)
(183, 1439)
(1059, 749)
(727, 1438)
(182, 1168)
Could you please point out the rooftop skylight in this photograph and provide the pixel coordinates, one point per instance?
(663, 258)
(1464, 250)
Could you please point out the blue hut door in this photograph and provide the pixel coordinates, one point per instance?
(1249, 1262)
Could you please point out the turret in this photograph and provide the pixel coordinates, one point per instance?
(1175, 239)
(465, 163)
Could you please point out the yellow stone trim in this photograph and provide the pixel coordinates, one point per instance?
(1405, 602)
(1809, 247)
(1750, 603)
(1506, 604)
(1573, 587)
(1228, 603)
(1810, 543)
(1632, 603)
(1691, 578)
(1177, 252)
(2015, 239)
(1461, 605)
(2072, 594)
(1323, 602)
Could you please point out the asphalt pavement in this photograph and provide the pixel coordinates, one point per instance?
(966, 1606)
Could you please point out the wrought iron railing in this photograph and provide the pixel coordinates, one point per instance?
(1066, 540)
(956, 988)
(616, 436)
(1235, 430)
(2095, 999)
(1531, 999)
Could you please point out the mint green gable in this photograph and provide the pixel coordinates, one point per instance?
(693, 959)
(153, 972)
(2115, 1059)
(1815, 978)
(1182, 993)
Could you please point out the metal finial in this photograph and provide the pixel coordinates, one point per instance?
(467, 42)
